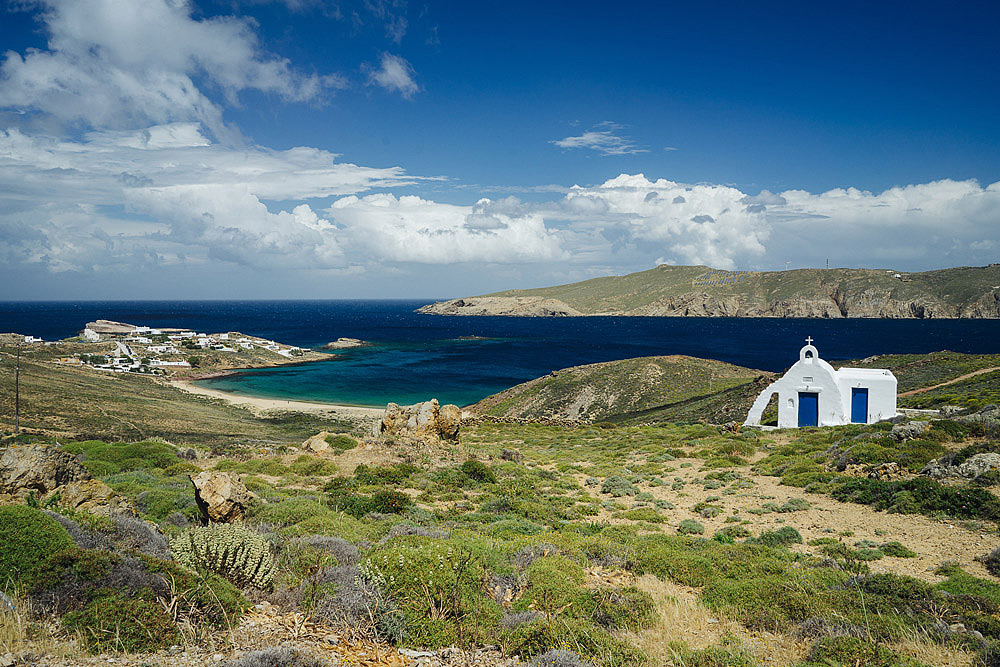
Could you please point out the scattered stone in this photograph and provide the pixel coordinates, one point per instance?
(37, 469)
(190, 454)
(221, 497)
(318, 442)
(908, 431)
(887, 471)
(427, 422)
(971, 468)
(511, 455)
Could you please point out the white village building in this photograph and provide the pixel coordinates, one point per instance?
(813, 393)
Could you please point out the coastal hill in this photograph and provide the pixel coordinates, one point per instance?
(700, 291)
(677, 388)
(608, 390)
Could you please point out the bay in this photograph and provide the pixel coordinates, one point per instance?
(462, 359)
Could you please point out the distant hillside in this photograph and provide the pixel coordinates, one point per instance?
(600, 392)
(699, 291)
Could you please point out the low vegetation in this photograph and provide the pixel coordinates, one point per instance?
(596, 544)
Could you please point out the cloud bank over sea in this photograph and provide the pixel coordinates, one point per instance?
(116, 157)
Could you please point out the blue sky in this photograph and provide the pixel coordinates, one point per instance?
(384, 148)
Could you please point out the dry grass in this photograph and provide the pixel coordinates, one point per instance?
(680, 618)
(20, 634)
(934, 654)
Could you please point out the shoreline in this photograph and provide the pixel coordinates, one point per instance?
(277, 404)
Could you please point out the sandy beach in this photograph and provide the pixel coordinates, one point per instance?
(275, 404)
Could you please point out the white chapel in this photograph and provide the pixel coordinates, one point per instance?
(813, 393)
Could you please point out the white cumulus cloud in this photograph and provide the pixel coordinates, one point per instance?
(413, 229)
(395, 74)
(119, 63)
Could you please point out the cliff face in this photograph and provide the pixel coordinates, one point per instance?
(703, 292)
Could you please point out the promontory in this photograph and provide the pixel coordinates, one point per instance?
(700, 291)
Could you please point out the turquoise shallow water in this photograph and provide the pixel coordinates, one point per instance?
(416, 357)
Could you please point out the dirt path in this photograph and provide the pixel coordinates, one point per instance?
(981, 371)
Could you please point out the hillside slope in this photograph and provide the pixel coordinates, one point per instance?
(699, 291)
(599, 392)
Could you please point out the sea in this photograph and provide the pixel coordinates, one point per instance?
(415, 357)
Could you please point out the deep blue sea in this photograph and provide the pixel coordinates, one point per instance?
(417, 357)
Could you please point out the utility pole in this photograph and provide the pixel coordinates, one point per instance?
(17, 392)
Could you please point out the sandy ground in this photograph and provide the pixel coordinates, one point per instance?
(274, 404)
(935, 541)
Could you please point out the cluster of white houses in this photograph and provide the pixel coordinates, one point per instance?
(157, 342)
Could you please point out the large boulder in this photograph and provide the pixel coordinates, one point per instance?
(38, 469)
(221, 497)
(427, 422)
(318, 443)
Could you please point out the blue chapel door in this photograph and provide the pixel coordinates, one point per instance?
(859, 405)
(808, 408)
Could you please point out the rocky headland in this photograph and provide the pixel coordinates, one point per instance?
(699, 291)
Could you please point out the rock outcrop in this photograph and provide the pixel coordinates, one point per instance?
(908, 431)
(221, 497)
(521, 306)
(38, 469)
(318, 443)
(345, 344)
(970, 468)
(110, 327)
(53, 475)
(428, 421)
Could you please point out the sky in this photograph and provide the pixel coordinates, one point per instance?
(286, 149)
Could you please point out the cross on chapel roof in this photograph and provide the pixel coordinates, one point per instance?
(809, 340)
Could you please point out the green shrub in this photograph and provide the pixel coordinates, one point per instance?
(385, 501)
(384, 475)
(29, 537)
(113, 622)
(781, 537)
(124, 456)
(618, 486)
(853, 651)
(341, 442)
(478, 471)
(232, 551)
(438, 589)
(644, 514)
(592, 643)
(213, 599)
(920, 495)
(794, 505)
(309, 466)
(734, 532)
(618, 608)
(690, 527)
(897, 550)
